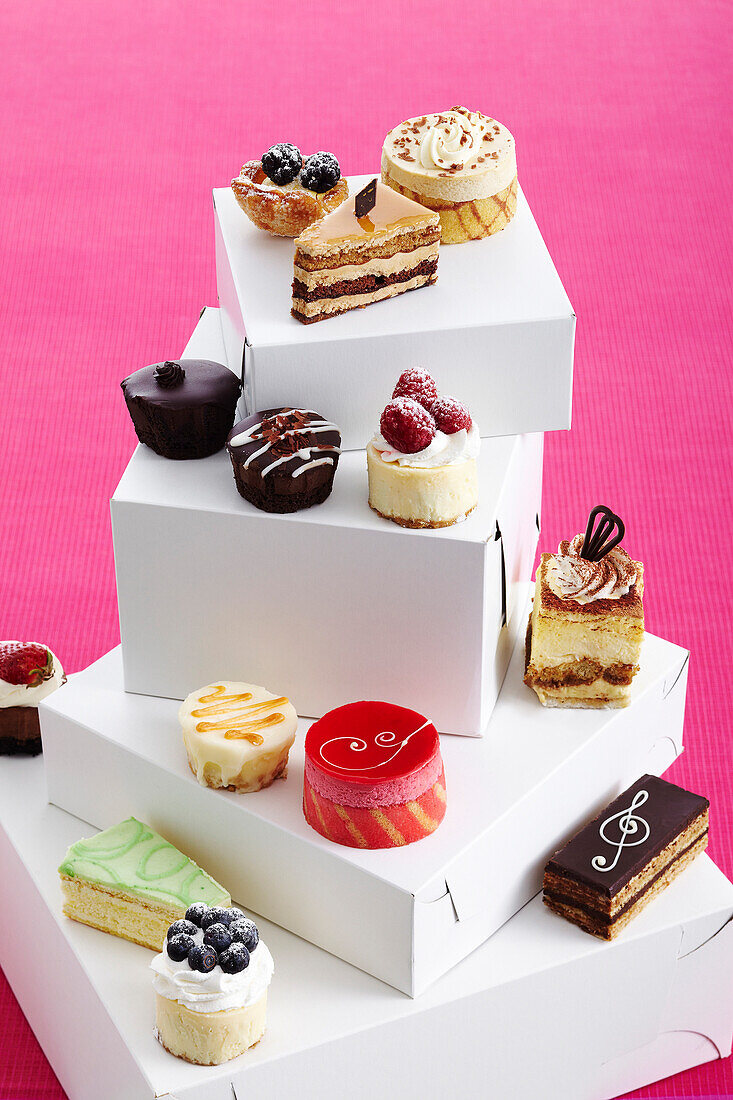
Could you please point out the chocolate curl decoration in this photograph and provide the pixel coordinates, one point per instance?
(599, 542)
(366, 199)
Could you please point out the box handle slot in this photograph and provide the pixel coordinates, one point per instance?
(498, 537)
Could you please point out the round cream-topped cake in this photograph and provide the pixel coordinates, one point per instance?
(460, 163)
(422, 462)
(237, 735)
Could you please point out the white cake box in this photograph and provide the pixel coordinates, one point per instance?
(540, 1010)
(496, 330)
(514, 797)
(330, 604)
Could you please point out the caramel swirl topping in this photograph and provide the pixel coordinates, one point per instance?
(236, 716)
(574, 578)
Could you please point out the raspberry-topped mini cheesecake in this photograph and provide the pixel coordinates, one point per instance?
(373, 776)
(29, 672)
(422, 462)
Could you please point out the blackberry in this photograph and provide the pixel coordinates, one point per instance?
(282, 162)
(320, 172)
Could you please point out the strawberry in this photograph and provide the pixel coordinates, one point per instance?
(25, 663)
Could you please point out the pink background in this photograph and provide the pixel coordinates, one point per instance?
(117, 120)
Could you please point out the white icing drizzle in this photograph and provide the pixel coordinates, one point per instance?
(303, 452)
(629, 824)
(358, 744)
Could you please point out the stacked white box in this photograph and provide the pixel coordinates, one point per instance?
(514, 797)
(330, 604)
(497, 330)
(541, 1009)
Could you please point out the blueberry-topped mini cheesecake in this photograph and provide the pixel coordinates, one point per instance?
(210, 984)
(183, 408)
(284, 459)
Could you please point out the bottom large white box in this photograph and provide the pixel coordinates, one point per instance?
(514, 797)
(542, 1009)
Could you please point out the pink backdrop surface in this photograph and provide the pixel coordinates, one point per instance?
(119, 118)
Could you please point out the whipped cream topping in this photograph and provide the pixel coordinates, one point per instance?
(454, 143)
(21, 695)
(215, 991)
(443, 450)
(573, 578)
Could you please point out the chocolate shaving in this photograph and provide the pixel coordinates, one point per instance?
(367, 197)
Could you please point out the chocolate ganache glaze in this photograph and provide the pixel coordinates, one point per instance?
(182, 409)
(284, 459)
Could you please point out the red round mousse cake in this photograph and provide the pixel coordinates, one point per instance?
(373, 776)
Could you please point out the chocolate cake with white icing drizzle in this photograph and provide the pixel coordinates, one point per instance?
(285, 459)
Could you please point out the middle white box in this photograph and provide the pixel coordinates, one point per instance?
(330, 604)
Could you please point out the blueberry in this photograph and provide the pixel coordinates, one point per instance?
(217, 936)
(234, 959)
(235, 914)
(186, 926)
(195, 913)
(216, 915)
(320, 172)
(245, 931)
(202, 957)
(179, 946)
(282, 162)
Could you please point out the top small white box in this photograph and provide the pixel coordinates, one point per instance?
(496, 330)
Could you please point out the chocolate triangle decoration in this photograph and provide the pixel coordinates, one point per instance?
(366, 199)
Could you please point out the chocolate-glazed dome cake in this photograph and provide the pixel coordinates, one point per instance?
(182, 409)
(284, 459)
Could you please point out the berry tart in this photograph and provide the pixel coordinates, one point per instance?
(284, 459)
(373, 776)
(132, 883)
(29, 672)
(422, 462)
(182, 409)
(285, 192)
(237, 735)
(210, 983)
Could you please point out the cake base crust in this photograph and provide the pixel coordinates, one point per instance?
(208, 1038)
(20, 731)
(423, 525)
(246, 782)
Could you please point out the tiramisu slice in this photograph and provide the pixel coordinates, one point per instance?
(372, 247)
(587, 623)
(614, 866)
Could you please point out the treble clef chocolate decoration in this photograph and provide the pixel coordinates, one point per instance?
(599, 540)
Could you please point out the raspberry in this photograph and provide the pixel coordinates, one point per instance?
(450, 415)
(417, 384)
(407, 426)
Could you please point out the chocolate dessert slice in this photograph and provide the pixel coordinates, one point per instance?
(373, 247)
(626, 856)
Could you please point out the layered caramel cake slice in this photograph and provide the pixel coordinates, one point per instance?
(372, 247)
(631, 852)
(587, 622)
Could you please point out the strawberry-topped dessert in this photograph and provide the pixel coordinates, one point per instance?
(422, 462)
(373, 776)
(28, 673)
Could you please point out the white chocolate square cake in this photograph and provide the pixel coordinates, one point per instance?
(586, 628)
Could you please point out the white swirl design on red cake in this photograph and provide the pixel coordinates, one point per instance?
(358, 744)
(574, 578)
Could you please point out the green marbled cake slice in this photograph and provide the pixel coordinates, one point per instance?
(131, 882)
